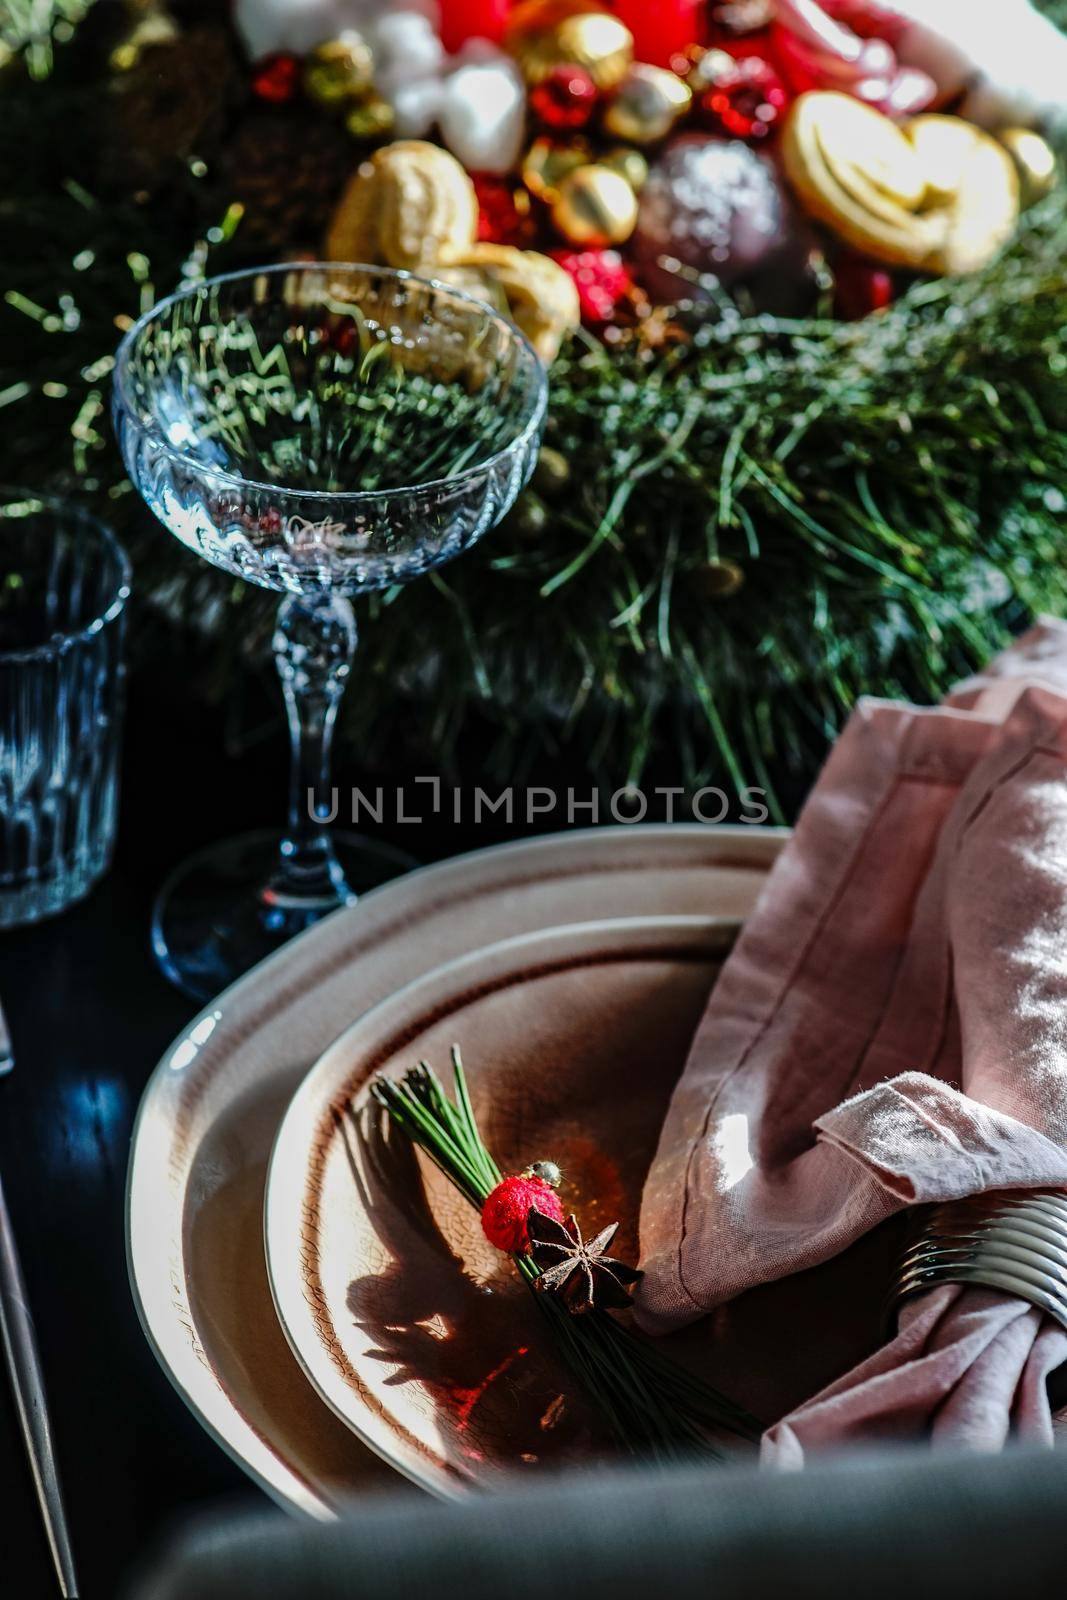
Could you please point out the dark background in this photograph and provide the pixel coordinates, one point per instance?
(90, 1016)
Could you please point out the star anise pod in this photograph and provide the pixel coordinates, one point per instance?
(581, 1273)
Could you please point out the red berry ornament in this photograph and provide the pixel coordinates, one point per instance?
(277, 78)
(602, 280)
(743, 97)
(566, 99)
(504, 1213)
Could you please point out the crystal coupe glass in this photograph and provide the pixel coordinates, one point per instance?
(322, 431)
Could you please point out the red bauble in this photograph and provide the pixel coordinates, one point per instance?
(504, 1213)
(602, 280)
(471, 19)
(277, 78)
(861, 286)
(661, 28)
(503, 210)
(745, 97)
(566, 99)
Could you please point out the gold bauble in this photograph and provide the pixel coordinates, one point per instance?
(536, 54)
(596, 207)
(647, 104)
(708, 67)
(630, 162)
(600, 43)
(1035, 162)
(340, 70)
(372, 118)
(547, 163)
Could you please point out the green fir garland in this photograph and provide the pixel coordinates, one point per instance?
(759, 526)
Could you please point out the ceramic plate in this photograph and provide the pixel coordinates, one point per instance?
(409, 1324)
(212, 1108)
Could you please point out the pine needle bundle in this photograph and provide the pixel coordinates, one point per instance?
(655, 1408)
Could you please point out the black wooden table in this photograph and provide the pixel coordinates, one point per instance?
(89, 1017)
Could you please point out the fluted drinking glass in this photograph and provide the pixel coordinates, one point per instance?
(322, 431)
(64, 584)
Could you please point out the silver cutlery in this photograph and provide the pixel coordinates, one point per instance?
(1016, 1242)
(27, 1382)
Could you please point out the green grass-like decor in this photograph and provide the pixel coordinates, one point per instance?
(759, 525)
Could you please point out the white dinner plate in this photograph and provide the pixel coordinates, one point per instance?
(410, 1325)
(213, 1105)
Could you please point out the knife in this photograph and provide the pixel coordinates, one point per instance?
(27, 1382)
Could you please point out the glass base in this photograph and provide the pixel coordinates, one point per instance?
(213, 918)
(47, 893)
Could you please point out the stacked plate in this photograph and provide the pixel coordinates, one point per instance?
(367, 1327)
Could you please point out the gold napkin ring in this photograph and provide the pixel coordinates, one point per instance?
(1014, 1240)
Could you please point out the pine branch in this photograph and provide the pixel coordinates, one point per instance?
(32, 28)
(655, 1408)
(890, 490)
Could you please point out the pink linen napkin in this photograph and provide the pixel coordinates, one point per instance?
(890, 1030)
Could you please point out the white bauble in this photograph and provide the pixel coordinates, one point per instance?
(406, 47)
(483, 114)
(416, 107)
(1014, 59)
(300, 25)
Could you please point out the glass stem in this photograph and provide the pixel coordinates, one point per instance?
(314, 645)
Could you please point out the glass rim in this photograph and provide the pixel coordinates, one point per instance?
(61, 642)
(351, 496)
